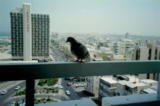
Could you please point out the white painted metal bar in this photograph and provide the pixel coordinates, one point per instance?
(68, 69)
(158, 89)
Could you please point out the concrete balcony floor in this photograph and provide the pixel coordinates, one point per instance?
(132, 100)
(84, 102)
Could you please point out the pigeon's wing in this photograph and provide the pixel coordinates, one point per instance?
(82, 51)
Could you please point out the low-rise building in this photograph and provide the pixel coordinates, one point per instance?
(92, 85)
(120, 85)
(107, 86)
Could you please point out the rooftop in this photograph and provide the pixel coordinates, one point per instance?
(136, 84)
(149, 90)
(149, 81)
(109, 79)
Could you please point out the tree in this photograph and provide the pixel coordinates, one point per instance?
(17, 104)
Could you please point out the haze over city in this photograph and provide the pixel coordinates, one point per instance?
(138, 17)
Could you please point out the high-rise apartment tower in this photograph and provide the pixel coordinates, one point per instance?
(29, 34)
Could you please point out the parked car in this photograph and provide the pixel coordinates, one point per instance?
(46, 87)
(60, 87)
(17, 88)
(49, 87)
(69, 84)
(3, 92)
(68, 92)
(67, 78)
(80, 85)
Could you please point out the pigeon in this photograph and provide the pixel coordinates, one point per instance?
(78, 49)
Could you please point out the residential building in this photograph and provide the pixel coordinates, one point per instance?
(120, 85)
(149, 52)
(92, 85)
(116, 48)
(126, 45)
(29, 34)
(107, 87)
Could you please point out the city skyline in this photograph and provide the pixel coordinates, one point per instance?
(136, 17)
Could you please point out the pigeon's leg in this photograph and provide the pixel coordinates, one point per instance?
(77, 60)
(81, 61)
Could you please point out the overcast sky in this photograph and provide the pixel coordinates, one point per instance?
(92, 16)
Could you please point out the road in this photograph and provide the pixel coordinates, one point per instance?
(58, 55)
(4, 99)
(76, 93)
(73, 95)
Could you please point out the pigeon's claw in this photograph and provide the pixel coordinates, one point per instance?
(76, 60)
(81, 61)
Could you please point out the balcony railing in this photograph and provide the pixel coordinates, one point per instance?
(32, 71)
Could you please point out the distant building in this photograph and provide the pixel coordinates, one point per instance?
(92, 85)
(120, 85)
(107, 87)
(140, 53)
(135, 86)
(116, 48)
(29, 34)
(149, 52)
(129, 88)
(126, 45)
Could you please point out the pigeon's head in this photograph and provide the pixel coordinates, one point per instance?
(71, 40)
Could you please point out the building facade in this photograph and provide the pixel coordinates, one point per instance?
(121, 85)
(149, 52)
(92, 85)
(29, 34)
(107, 87)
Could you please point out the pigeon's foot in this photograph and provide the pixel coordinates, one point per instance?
(79, 60)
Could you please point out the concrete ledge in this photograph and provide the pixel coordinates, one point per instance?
(84, 102)
(132, 100)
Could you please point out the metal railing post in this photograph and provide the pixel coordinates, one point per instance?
(158, 86)
(30, 92)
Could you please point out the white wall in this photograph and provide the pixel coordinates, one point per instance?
(27, 32)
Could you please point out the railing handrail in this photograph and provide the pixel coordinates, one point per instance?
(22, 71)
